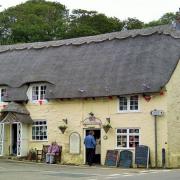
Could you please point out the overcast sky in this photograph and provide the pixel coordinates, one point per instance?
(144, 10)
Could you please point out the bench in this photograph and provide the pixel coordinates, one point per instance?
(41, 154)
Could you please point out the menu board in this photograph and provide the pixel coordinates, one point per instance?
(142, 156)
(111, 158)
(126, 159)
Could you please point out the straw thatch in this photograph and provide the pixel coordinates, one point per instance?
(116, 63)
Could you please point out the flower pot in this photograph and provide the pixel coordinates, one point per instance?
(106, 128)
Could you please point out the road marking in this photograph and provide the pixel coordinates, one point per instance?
(114, 175)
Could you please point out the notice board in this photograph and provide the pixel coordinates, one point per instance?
(142, 156)
(111, 158)
(126, 159)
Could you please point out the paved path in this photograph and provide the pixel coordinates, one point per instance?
(35, 171)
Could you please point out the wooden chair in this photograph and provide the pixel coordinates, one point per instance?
(41, 154)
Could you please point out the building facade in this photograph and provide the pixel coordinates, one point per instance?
(59, 90)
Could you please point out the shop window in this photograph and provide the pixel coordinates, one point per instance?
(128, 103)
(127, 138)
(39, 130)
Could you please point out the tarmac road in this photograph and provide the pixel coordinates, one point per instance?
(13, 170)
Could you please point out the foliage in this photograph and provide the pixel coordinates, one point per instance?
(35, 20)
(40, 20)
(133, 23)
(83, 23)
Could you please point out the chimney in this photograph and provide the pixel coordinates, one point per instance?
(176, 23)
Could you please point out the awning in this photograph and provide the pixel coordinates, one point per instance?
(15, 112)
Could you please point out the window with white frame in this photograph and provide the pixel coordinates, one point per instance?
(38, 92)
(128, 103)
(127, 138)
(39, 130)
(2, 93)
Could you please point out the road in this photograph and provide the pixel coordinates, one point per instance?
(36, 171)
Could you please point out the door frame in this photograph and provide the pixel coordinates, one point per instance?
(84, 135)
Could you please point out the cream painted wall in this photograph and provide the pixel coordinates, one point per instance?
(77, 110)
(173, 116)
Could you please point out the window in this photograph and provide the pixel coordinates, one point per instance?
(2, 94)
(129, 103)
(39, 130)
(127, 138)
(38, 92)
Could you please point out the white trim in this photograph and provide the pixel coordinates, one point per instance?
(1, 88)
(29, 92)
(2, 139)
(127, 135)
(38, 140)
(84, 135)
(128, 105)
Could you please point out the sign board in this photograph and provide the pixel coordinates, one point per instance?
(142, 156)
(157, 112)
(111, 158)
(126, 158)
(74, 143)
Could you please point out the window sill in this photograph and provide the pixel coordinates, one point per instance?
(132, 149)
(44, 101)
(128, 112)
(34, 141)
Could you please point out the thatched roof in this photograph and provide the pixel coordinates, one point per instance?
(116, 63)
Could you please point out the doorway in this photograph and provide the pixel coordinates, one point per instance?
(97, 152)
(14, 140)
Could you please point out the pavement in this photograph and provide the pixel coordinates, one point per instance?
(17, 170)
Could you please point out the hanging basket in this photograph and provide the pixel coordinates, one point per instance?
(62, 129)
(106, 128)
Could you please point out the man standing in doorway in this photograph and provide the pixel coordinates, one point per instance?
(90, 145)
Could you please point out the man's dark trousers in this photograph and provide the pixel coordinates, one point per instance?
(90, 155)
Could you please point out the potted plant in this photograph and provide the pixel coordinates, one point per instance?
(106, 127)
(63, 128)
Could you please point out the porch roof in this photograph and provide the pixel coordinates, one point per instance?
(15, 113)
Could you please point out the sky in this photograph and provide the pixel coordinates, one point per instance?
(144, 10)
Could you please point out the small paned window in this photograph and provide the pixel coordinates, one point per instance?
(127, 138)
(3, 93)
(129, 103)
(39, 130)
(38, 92)
(134, 103)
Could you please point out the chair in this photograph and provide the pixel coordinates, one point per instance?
(41, 154)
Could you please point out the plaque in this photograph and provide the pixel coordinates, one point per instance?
(74, 143)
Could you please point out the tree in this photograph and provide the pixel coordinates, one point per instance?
(133, 23)
(167, 18)
(83, 23)
(35, 20)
